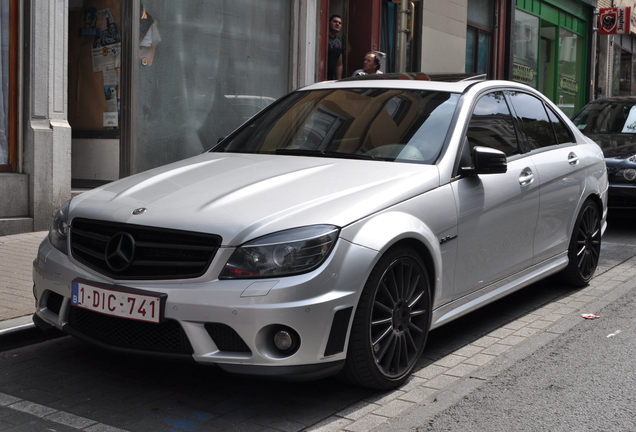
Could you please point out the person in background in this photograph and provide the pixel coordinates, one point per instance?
(336, 49)
(370, 65)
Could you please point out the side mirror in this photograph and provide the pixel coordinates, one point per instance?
(487, 160)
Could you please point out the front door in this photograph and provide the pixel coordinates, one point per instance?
(497, 213)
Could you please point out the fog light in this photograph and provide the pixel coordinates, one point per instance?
(283, 340)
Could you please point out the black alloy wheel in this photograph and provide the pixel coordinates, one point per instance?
(585, 246)
(391, 322)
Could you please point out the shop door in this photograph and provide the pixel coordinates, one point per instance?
(94, 60)
(362, 32)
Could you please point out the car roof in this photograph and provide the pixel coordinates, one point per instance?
(615, 99)
(450, 82)
(411, 80)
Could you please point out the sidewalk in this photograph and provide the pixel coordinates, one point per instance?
(16, 283)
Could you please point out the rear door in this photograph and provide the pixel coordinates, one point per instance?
(560, 166)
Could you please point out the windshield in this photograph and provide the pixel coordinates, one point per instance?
(384, 124)
(607, 117)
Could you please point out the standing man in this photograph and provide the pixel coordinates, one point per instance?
(370, 65)
(336, 49)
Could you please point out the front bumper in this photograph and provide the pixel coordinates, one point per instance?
(622, 196)
(229, 323)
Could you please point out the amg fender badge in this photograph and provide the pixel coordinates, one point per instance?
(447, 239)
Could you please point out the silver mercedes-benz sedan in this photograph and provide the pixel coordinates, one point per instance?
(332, 231)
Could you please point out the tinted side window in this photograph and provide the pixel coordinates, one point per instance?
(562, 132)
(533, 119)
(491, 125)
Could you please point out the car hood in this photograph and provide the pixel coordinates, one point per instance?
(616, 146)
(244, 196)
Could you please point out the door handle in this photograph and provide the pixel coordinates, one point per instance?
(526, 177)
(573, 159)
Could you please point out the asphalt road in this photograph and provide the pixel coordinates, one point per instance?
(584, 380)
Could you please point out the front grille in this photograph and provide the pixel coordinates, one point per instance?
(165, 337)
(124, 251)
(226, 339)
(54, 302)
(621, 202)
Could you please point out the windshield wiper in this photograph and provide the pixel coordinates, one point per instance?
(321, 153)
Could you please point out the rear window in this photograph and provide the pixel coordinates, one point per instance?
(607, 117)
(384, 124)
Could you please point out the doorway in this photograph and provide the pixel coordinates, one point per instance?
(94, 59)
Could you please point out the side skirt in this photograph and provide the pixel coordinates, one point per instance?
(497, 290)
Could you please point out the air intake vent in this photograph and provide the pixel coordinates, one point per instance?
(167, 337)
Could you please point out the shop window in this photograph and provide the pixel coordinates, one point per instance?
(526, 48)
(571, 69)
(203, 68)
(9, 87)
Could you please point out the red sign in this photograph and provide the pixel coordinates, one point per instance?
(614, 20)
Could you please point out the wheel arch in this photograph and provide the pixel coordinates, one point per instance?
(391, 230)
(425, 254)
(597, 200)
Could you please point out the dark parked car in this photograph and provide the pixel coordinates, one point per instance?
(611, 122)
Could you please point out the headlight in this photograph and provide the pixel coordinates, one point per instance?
(629, 174)
(284, 253)
(58, 233)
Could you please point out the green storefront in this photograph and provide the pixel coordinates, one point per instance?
(550, 49)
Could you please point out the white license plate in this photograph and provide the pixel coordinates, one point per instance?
(122, 304)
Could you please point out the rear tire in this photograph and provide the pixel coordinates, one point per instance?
(585, 246)
(391, 322)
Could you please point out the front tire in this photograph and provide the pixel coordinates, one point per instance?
(585, 246)
(391, 322)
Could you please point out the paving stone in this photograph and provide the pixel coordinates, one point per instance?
(430, 371)
(332, 424)
(366, 423)
(394, 408)
(441, 381)
(480, 359)
(357, 410)
(496, 349)
(420, 395)
(462, 369)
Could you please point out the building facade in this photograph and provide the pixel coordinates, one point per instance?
(96, 90)
(617, 57)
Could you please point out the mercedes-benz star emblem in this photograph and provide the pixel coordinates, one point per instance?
(120, 252)
(139, 211)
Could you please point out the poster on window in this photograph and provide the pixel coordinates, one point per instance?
(614, 20)
(107, 45)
